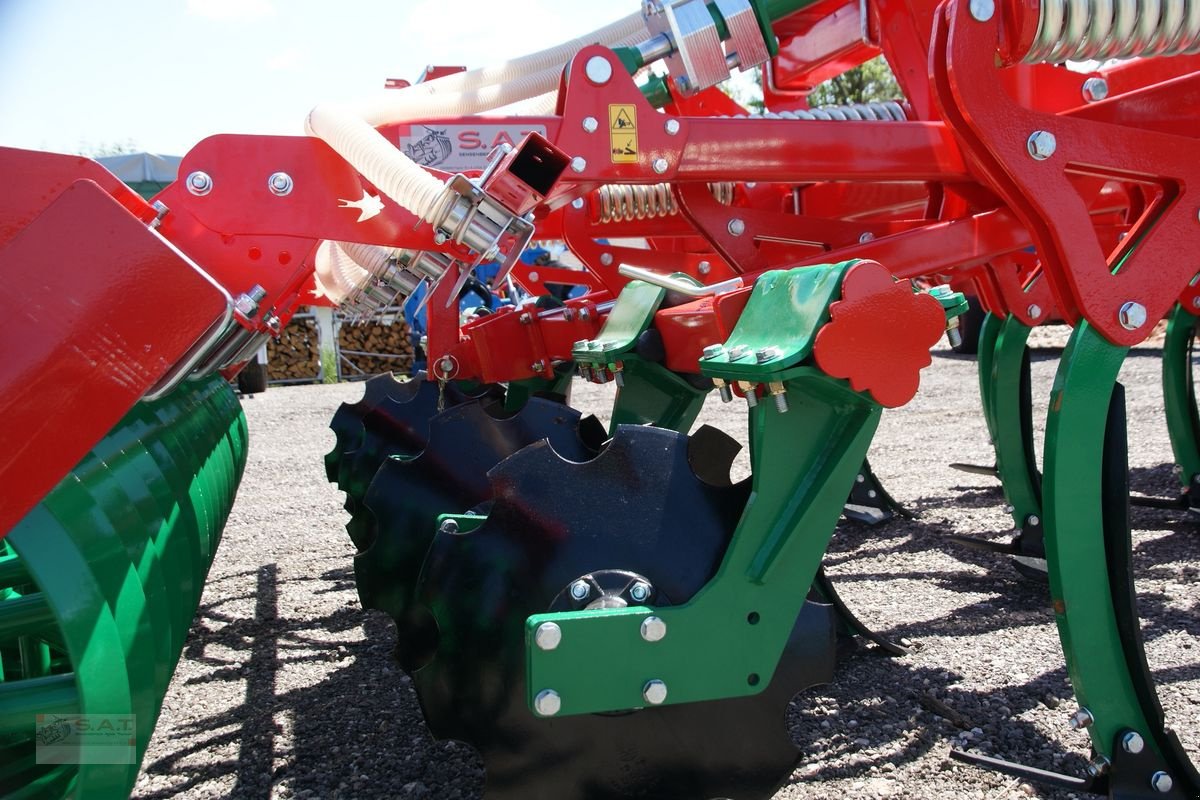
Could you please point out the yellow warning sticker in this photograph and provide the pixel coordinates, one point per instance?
(622, 133)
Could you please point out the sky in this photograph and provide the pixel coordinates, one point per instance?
(82, 75)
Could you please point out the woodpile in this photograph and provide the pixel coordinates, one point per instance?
(380, 345)
(295, 356)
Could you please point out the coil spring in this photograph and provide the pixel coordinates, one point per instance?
(885, 111)
(1078, 30)
(623, 202)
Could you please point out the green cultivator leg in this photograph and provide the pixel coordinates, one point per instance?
(1179, 398)
(98, 587)
(1091, 582)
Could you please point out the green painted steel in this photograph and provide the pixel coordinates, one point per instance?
(1074, 536)
(804, 463)
(988, 333)
(631, 315)
(99, 583)
(790, 306)
(1011, 423)
(653, 395)
(1179, 394)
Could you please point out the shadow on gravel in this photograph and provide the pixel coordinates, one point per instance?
(356, 733)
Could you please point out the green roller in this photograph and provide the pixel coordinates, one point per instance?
(98, 587)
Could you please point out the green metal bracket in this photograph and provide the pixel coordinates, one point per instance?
(631, 315)
(988, 332)
(465, 522)
(781, 320)
(651, 394)
(804, 463)
(1179, 394)
(1080, 583)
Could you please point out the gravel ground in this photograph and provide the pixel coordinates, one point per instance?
(287, 688)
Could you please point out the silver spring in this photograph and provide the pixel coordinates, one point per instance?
(1080, 30)
(624, 202)
(883, 111)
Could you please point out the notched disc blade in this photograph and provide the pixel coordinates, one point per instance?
(638, 507)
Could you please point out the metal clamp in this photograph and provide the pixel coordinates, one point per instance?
(698, 60)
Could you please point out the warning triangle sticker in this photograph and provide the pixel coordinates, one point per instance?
(623, 121)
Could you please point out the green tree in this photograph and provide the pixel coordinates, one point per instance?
(868, 83)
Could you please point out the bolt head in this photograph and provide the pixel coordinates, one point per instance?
(580, 590)
(736, 227)
(653, 629)
(654, 692)
(448, 526)
(1132, 315)
(660, 165)
(765, 354)
(606, 259)
(1035, 311)
(598, 70)
(704, 268)
(1081, 719)
(577, 203)
(280, 184)
(578, 164)
(639, 591)
(671, 126)
(866, 236)
(1196, 302)
(590, 124)
(1132, 742)
(1095, 89)
(738, 351)
(1041, 145)
(1033, 519)
(982, 10)
(582, 344)
(547, 636)
(199, 183)
(1098, 766)
(547, 703)
(1161, 782)
(713, 350)
(538, 366)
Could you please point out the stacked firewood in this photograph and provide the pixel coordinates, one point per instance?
(295, 355)
(380, 345)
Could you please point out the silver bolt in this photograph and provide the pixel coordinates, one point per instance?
(440, 237)
(736, 227)
(538, 366)
(726, 393)
(751, 396)
(280, 184)
(781, 404)
(547, 703)
(738, 351)
(448, 526)
(1095, 89)
(606, 259)
(660, 165)
(619, 378)
(582, 344)
(704, 268)
(765, 354)
(533, 276)
(580, 590)
(1196, 302)
(867, 236)
(1132, 742)
(1033, 520)
(590, 124)
(860, 478)
(199, 183)
(1132, 315)
(655, 692)
(671, 126)
(653, 629)
(1035, 310)
(639, 592)
(871, 493)
(598, 70)
(713, 350)
(982, 10)
(547, 636)
(1161, 782)
(1098, 766)
(577, 203)
(578, 164)
(525, 319)
(1041, 145)
(1081, 719)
